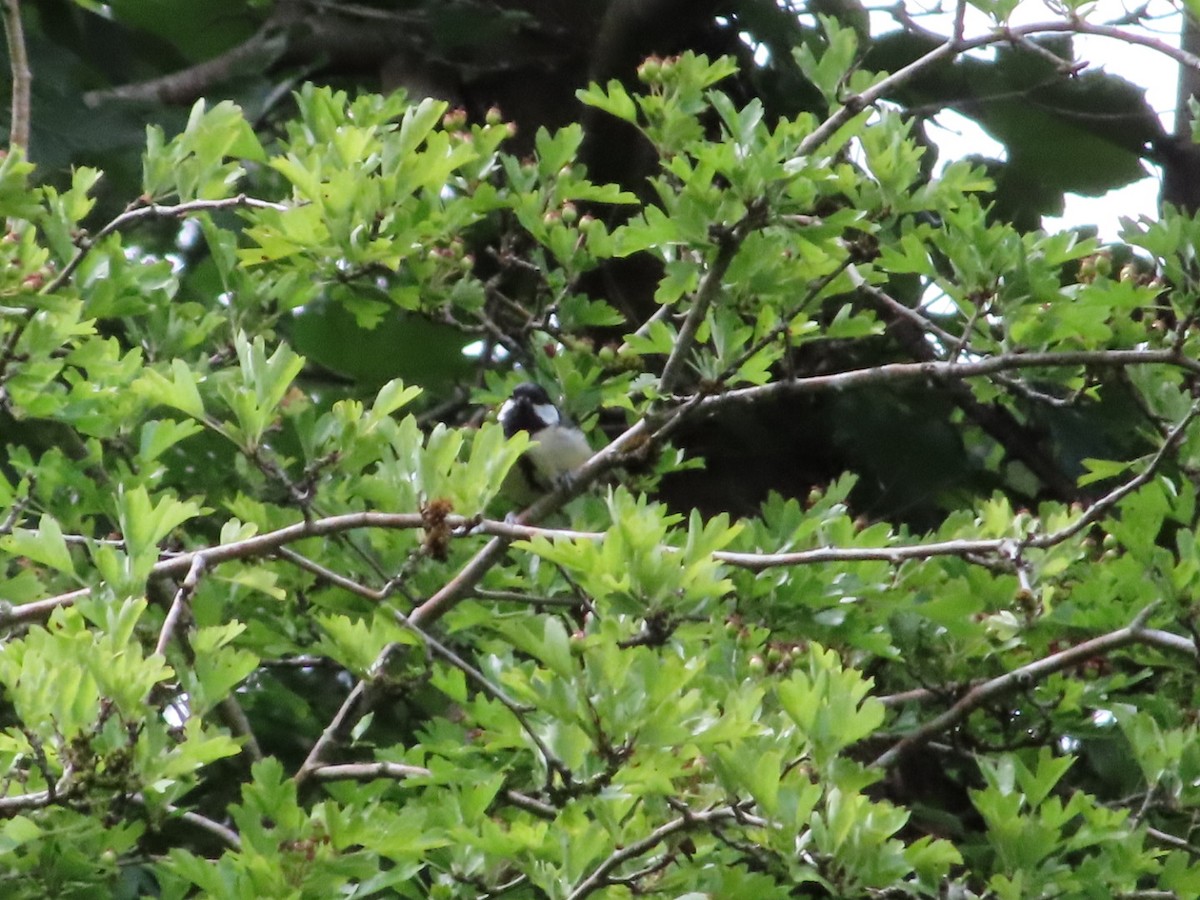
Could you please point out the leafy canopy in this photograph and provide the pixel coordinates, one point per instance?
(268, 633)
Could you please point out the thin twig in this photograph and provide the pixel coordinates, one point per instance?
(344, 719)
(935, 370)
(785, 324)
(1172, 841)
(855, 104)
(526, 599)
(554, 765)
(539, 808)
(960, 20)
(300, 662)
(1081, 26)
(328, 575)
(227, 835)
(958, 44)
(238, 723)
(16, 511)
(1109, 500)
(1061, 66)
(153, 211)
(661, 314)
(920, 695)
(183, 597)
(401, 771)
(599, 877)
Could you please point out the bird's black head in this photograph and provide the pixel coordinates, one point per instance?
(528, 409)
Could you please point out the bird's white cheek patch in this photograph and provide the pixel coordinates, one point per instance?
(547, 413)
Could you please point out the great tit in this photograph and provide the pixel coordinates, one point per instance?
(558, 445)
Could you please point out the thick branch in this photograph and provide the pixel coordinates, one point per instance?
(368, 772)
(22, 77)
(193, 82)
(32, 800)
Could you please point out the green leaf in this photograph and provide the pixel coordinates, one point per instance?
(556, 650)
(391, 397)
(418, 123)
(180, 392)
(160, 435)
(828, 72)
(45, 544)
(613, 100)
(265, 382)
(145, 522)
(558, 150)
(1102, 470)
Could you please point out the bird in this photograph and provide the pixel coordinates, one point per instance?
(558, 447)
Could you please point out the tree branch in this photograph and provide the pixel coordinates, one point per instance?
(472, 573)
(227, 836)
(461, 585)
(689, 821)
(22, 76)
(183, 597)
(191, 83)
(358, 701)
(728, 241)
(138, 213)
(554, 765)
(35, 799)
(956, 44)
(935, 370)
(1109, 500)
(977, 696)
(271, 542)
(368, 772)
(401, 771)
(912, 330)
